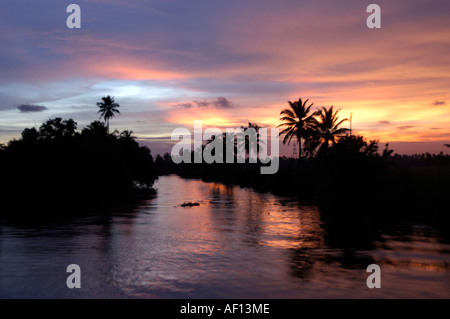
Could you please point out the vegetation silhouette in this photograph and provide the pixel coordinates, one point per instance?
(325, 132)
(164, 164)
(298, 121)
(345, 174)
(351, 178)
(248, 140)
(108, 108)
(58, 168)
(225, 141)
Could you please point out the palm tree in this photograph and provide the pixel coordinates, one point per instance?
(127, 136)
(327, 131)
(252, 142)
(95, 129)
(107, 109)
(298, 122)
(448, 145)
(229, 144)
(233, 145)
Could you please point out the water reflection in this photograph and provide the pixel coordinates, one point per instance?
(236, 244)
(417, 246)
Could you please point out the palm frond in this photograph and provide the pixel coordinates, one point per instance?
(287, 112)
(289, 119)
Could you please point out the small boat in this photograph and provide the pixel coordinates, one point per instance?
(190, 204)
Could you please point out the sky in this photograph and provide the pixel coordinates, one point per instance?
(227, 63)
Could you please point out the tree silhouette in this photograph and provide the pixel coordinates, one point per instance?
(59, 166)
(127, 136)
(326, 132)
(108, 108)
(228, 141)
(448, 145)
(54, 129)
(251, 137)
(30, 134)
(298, 121)
(242, 141)
(96, 129)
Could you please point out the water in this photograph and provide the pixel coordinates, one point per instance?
(237, 244)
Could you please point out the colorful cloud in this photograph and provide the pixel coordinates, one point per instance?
(171, 62)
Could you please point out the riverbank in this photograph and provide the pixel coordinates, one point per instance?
(395, 192)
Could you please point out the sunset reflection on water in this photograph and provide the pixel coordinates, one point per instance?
(236, 244)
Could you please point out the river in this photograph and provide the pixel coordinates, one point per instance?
(237, 243)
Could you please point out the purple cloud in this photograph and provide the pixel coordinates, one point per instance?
(220, 102)
(28, 108)
(201, 103)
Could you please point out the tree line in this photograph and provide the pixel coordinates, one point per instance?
(57, 165)
(337, 169)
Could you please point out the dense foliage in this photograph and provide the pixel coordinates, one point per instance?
(56, 164)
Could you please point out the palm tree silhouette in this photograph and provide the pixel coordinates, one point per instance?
(95, 129)
(252, 142)
(326, 132)
(229, 144)
(127, 136)
(234, 143)
(298, 122)
(107, 109)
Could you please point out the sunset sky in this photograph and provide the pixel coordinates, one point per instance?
(170, 62)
